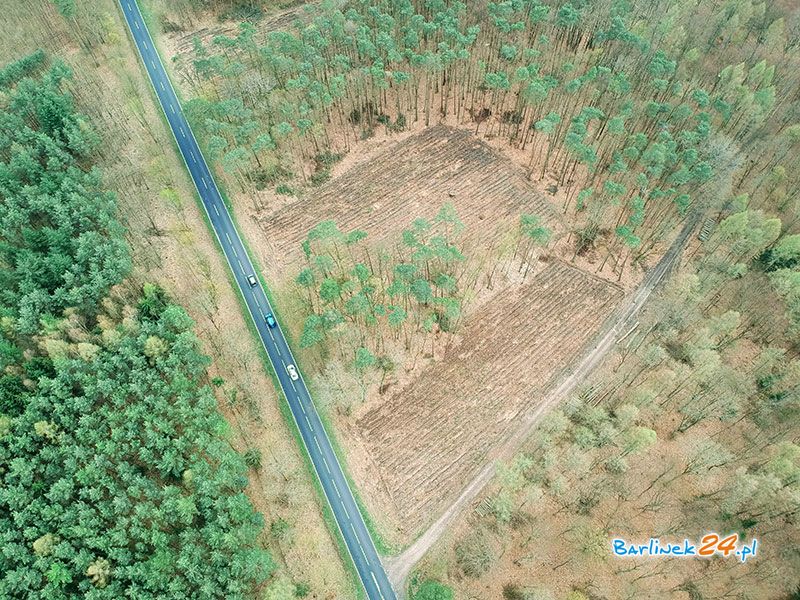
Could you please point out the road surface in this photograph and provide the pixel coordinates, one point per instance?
(345, 511)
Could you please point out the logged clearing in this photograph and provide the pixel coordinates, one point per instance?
(427, 440)
(412, 450)
(180, 44)
(413, 179)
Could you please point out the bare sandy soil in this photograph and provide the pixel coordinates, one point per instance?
(410, 179)
(428, 440)
(181, 43)
(575, 374)
(407, 462)
(411, 450)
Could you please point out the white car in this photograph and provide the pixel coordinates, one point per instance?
(251, 279)
(292, 372)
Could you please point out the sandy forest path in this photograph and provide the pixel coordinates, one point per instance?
(622, 320)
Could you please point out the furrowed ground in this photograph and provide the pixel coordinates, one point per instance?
(413, 443)
(181, 42)
(413, 179)
(428, 440)
(636, 116)
(633, 118)
(413, 447)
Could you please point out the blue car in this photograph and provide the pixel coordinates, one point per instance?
(271, 323)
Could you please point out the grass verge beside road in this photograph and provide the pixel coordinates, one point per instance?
(381, 545)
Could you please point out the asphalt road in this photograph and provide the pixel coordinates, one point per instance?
(346, 512)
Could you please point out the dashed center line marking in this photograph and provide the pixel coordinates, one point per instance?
(360, 547)
(194, 158)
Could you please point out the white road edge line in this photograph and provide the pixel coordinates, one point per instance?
(216, 234)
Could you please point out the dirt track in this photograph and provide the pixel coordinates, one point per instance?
(434, 435)
(400, 567)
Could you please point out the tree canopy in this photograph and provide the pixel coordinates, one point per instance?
(117, 477)
(60, 242)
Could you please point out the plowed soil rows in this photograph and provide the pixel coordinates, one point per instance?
(431, 437)
(413, 179)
